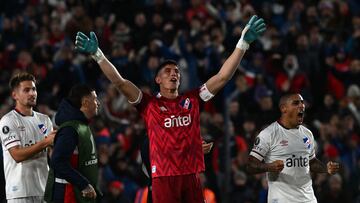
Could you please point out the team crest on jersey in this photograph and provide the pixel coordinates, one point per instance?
(42, 128)
(307, 142)
(186, 103)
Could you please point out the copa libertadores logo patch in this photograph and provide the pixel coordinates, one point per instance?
(5, 129)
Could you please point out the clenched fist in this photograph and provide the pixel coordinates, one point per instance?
(275, 166)
(332, 167)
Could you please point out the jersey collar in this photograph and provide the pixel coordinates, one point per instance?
(22, 113)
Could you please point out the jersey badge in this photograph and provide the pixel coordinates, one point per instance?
(186, 104)
(307, 142)
(42, 128)
(5, 129)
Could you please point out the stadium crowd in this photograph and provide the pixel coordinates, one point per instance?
(310, 47)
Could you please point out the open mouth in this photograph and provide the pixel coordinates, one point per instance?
(32, 99)
(173, 80)
(300, 114)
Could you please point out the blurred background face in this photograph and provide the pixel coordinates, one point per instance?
(25, 94)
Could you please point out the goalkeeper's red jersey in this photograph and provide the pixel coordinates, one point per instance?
(173, 127)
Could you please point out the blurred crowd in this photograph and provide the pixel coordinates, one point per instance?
(310, 47)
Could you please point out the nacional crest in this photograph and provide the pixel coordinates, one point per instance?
(186, 103)
(307, 142)
(42, 128)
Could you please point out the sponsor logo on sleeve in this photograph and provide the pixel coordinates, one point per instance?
(6, 129)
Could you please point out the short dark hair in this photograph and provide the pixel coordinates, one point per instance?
(285, 98)
(20, 77)
(77, 93)
(163, 64)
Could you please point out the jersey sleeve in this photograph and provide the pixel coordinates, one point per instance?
(49, 125)
(142, 104)
(9, 133)
(261, 145)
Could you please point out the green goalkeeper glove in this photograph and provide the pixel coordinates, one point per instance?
(89, 45)
(254, 28)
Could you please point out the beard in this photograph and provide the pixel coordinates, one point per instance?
(31, 103)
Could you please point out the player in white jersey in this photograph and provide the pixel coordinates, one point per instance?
(25, 136)
(285, 150)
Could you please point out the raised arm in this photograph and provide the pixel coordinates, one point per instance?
(90, 46)
(251, 32)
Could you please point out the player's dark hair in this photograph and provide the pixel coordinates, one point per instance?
(77, 93)
(285, 98)
(163, 64)
(20, 77)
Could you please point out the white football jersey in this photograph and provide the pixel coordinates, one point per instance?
(295, 147)
(27, 178)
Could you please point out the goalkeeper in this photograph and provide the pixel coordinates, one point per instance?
(173, 119)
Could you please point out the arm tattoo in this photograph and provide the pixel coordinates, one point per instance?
(255, 166)
(317, 166)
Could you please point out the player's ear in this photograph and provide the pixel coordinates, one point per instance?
(283, 108)
(157, 80)
(84, 102)
(14, 94)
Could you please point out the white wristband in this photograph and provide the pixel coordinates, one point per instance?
(242, 44)
(98, 56)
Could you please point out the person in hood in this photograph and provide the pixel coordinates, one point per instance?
(74, 168)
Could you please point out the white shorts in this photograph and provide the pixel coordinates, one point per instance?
(34, 199)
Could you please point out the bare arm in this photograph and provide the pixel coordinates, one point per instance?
(317, 166)
(255, 166)
(131, 91)
(20, 154)
(215, 83)
(90, 46)
(251, 32)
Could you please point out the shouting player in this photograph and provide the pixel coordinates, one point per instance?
(173, 119)
(285, 150)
